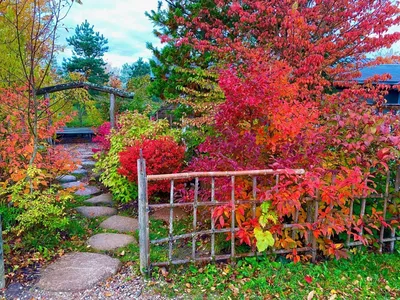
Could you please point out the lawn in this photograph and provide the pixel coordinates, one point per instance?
(362, 276)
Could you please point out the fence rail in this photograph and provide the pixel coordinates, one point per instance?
(194, 255)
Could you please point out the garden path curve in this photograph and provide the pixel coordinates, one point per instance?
(83, 270)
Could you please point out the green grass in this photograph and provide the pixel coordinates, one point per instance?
(362, 276)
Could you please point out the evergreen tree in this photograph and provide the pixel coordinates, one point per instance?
(137, 69)
(89, 48)
(183, 75)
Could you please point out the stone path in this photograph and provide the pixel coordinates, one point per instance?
(120, 223)
(96, 211)
(66, 178)
(105, 199)
(109, 241)
(82, 270)
(78, 271)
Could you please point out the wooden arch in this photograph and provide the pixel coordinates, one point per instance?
(90, 86)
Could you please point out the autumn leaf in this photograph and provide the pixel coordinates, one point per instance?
(264, 239)
(308, 279)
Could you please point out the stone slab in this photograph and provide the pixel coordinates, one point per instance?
(96, 211)
(101, 199)
(66, 178)
(109, 241)
(163, 214)
(88, 163)
(79, 172)
(77, 271)
(86, 152)
(75, 184)
(86, 157)
(88, 191)
(120, 223)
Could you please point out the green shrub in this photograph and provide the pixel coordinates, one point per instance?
(37, 207)
(9, 216)
(132, 127)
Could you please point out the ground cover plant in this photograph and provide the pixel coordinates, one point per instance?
(362, 276)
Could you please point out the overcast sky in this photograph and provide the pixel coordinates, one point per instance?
(122, 22)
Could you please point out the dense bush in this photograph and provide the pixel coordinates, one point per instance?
(131, 127)
(28, 168)
(163, 156)
(33, 205)
(102, 137)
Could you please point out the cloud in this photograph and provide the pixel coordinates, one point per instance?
(122, 22)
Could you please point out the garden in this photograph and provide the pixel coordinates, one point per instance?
(251, 160)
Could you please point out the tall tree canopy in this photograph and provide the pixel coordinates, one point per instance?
(183, 75)
(88, 51)
(137, 69)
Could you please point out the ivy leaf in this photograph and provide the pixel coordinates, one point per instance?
(264, 239)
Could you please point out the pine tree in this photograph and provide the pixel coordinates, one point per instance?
(183, 75)
(89, 48)
(137, 69)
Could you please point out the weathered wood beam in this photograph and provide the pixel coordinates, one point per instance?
(84, 85)
(112, 110)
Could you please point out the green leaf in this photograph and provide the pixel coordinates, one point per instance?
(263, 220)
(265, 206)
(264, 239)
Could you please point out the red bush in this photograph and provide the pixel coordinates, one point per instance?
(163, 156)
(102, 137)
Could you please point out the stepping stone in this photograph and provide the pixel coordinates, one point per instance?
(88, 190)
(75, 184)
(80, 172)
(88, 163)
(96, 211)
(101, 199)
(86, 156)
(110, 241)
(66, 178)
(120, 223)
(78, 271)
(86, 152)
(163, 214)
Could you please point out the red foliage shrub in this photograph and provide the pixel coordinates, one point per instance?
(163, 156)
(102, 137)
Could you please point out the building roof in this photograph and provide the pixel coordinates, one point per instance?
(392, 69)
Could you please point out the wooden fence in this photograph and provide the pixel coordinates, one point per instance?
(311, 208)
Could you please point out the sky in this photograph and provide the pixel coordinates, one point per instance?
(122, 22)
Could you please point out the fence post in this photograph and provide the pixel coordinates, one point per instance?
(143, 217)
(2, 273)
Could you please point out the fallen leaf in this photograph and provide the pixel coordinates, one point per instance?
(310, 295)
(308, 278)
(164, 272)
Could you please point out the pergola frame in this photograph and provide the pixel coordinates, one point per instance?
(89, 86)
